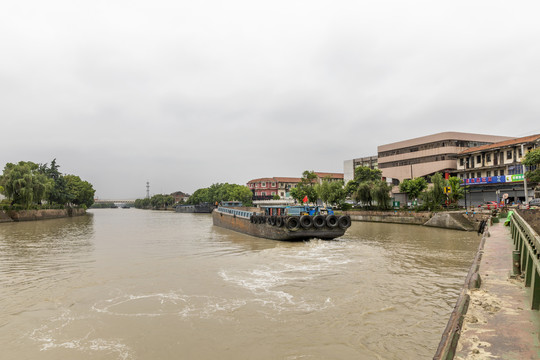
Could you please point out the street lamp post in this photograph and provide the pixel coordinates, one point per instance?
(524, 178)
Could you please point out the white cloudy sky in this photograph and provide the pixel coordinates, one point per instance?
(185, 94)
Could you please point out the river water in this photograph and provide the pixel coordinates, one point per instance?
(134, 284)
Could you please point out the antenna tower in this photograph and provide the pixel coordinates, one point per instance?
(148, 190)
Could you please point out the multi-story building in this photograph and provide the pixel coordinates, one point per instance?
(427, 155)
(273, 186)
(493, 170)
(324, 176)
(281, 186)
(349, 166)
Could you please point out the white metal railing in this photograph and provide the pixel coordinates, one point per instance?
(238, 213)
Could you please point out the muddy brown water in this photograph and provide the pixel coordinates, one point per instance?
(133, 284)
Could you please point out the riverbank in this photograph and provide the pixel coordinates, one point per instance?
(32, 215)
(455, 220)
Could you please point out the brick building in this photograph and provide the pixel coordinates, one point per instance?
(282, 186)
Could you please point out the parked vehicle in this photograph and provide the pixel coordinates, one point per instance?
(535, 203)
(490, 205)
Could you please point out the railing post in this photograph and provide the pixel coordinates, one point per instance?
(535, 290)
(516, 262)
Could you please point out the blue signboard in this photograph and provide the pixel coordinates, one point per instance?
(492, 180)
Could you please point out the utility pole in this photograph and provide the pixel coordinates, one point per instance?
(524, 178)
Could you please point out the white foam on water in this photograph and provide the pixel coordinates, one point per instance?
(49, 336)
(167, 304)
(292, 267)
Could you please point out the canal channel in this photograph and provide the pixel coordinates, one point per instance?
(134, 284)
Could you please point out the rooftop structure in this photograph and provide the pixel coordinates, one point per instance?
(428, 155)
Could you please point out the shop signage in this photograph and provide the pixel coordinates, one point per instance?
(492, 180)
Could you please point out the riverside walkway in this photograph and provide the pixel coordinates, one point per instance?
(499, 323)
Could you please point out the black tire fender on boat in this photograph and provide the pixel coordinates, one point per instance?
(331, 221)
(279, 221)
(306, 221)
(318, 221)
(344, 221)
(273, 220)
(292, 223)
(252, 219)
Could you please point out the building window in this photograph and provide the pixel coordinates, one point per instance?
(488, 157)
(495, 173)
(263, 193)
(519, 151)
(478, 159)
(479, 174)
(502, 173)
(274, 185)
(461, 162)
(273, 193)
(488, 173)
(263, 184)
(461, 176)
(509, 154)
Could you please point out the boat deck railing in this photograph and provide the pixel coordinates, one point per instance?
(238, 213)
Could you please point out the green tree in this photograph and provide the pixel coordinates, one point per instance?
(381, 193)
(301, 191)
(364, 193)
(456, 191)
(331, 192)
(362, 174)
(222, 192)
(308, 178)
(161, 201)
(434, 196)
(199, 196)
(23, 183)
(58, 193)
(79, 192)
(306, 187)
(413, 187)
(532, 159)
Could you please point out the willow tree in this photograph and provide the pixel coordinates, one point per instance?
(23, 183)
(381, 193)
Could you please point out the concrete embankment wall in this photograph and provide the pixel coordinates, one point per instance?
(4, 217)
(30, 215)
(390, 217)
(450, 337)
(446, 220)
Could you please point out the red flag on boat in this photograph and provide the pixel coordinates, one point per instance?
(305, 199)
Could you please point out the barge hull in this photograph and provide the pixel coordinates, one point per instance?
(243, 225)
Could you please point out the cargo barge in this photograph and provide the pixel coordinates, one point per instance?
(295, 223)
(200, 208)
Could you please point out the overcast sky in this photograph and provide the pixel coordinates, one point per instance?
(185, 94)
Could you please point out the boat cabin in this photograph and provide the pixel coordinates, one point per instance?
(231, 203)
(297, 210)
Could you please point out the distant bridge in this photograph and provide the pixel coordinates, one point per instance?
(115, 201)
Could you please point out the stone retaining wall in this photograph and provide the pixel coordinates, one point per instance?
(30, 215)
(446, 220)
(4, 217)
